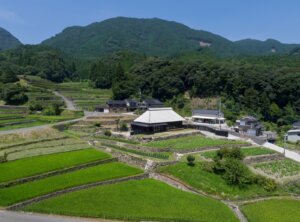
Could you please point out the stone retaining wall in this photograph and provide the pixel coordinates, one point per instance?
(263, 158)
(208, 148)
(73, 189)
(57, 172)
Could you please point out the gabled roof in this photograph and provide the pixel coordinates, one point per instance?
(159, 115)
(153, 102)
(207, 112)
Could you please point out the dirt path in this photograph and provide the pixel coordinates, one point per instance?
(34, 128)
(69, 103)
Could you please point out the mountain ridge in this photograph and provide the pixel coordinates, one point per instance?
(156, 37)
(7, 40)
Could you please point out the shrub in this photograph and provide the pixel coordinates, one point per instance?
(191, 160)
(234, 153)
(107, 133)
(35, 106)
(236, 173)
(207, 166)
(53, 110)
(97, 124)
(269, 185)
(123, 127)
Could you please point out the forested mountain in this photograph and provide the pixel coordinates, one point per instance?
(43, 61)
(154, 37)
(7, 40)
(270, 46)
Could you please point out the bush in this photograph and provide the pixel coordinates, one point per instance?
(124, 127)
(97, 124)
(35, 106)
(207, 166)
(234, 153)
(14, 94)
(107, 133)
(53, 110)
(269, 185)
(236, 173)
(191, 160)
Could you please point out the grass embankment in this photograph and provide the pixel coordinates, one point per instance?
(137, 200)
(276, 210)
(102, 172)
(116, 139)
(191, 142)
(255, 151)
(36, 165)
(212, 183)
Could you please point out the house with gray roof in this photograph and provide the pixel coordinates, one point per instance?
(157, 120)
(296, 125)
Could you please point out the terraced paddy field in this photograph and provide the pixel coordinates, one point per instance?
(253, 151)
(192, 142)
(279, 168)
(212, 183)
(17, 169)
(84, 96)
(275, 210)
(29, 190)
(145, 199)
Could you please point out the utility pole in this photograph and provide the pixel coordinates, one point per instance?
(284, 147)
(220, 104)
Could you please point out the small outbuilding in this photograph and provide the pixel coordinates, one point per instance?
(117, 106)
(249, 126)
(208, 116)
(157, 120)
(151, 103)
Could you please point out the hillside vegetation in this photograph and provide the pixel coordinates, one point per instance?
(7, 40)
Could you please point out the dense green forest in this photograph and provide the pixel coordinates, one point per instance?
(7, 40)
(154, 37)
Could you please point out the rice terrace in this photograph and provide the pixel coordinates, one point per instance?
(140, 118)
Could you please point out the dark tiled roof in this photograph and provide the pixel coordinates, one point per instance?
(153, 102)
(207, 112)
(116, 102)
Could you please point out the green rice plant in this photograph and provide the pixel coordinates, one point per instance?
(101, 172)
(17, 169)
(139, 152)
(275, 210)
(140, 200)
(192, 142)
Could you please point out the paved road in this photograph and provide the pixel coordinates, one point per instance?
(69, 103)
(10, 216)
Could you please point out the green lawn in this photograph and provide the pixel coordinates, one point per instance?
(276, 210)
(101, 172)
(36, 165)
(255, 151)
(191, 142)
(146, 199)
(280, 168)
(212, 183)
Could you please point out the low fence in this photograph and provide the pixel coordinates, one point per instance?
(263, 158)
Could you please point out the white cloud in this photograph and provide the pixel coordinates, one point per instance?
(10, 16)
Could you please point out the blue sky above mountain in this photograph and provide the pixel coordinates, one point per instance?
(33, 21)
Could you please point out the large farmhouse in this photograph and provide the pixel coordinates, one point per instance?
(157, 120)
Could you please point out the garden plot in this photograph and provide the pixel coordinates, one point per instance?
(193, 142)
(101, 172)
(274, 210)
(253, 151)
(279, 168)
(138, 200)
(22, 168)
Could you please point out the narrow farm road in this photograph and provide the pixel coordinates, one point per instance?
(69, 103)
(34, 128)
(9, 216)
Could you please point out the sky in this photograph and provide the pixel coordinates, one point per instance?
(33, 21)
